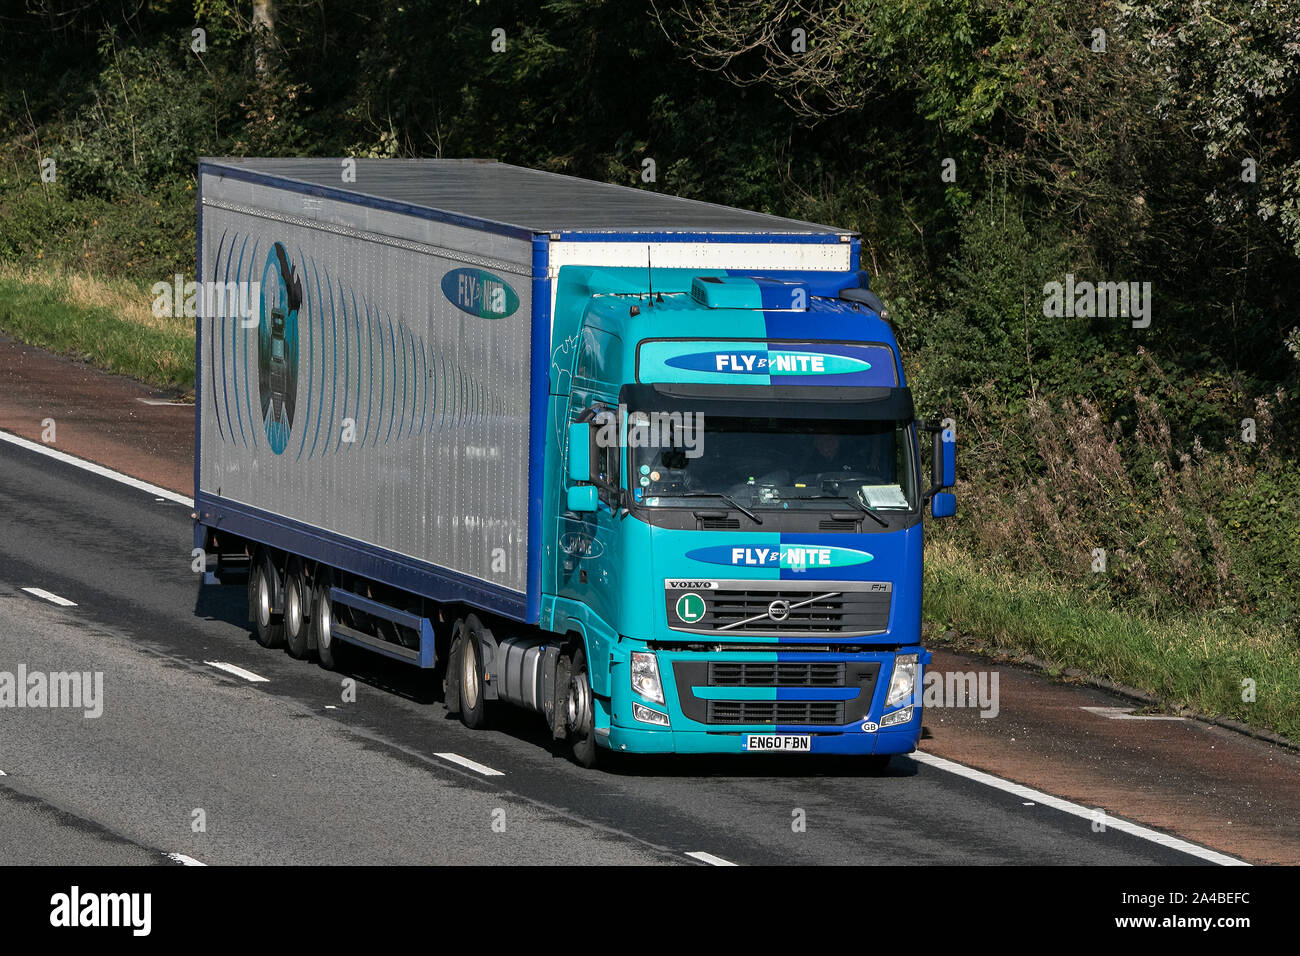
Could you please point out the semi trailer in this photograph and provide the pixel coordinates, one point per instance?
(647, 466)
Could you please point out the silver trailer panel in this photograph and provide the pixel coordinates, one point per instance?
(359, 399)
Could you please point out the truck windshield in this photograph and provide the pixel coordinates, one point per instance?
(775, 463)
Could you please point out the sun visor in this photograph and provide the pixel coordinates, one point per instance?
(772, 401)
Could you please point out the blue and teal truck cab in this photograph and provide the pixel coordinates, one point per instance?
(739, 513)
(649, 467)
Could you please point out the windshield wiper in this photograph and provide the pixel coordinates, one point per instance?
(853, 501)
(718, 494)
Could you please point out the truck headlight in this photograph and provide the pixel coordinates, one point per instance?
(648, 716)
(903, 716)
(903, 683)
(645, 676)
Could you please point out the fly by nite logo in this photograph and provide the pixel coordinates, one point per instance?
(779, 361)
(784, 556)
(476, 292)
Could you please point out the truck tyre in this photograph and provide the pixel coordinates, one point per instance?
(451, 674)
(297, 610)
(329, 650)
(580, 713)
(469, 676)
(268, 626)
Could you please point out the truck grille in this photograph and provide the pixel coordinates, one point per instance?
(823, 616)
(763, 674)
(776, 712)
(787, 608)
(693, 675)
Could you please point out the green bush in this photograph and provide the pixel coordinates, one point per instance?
(150, 116)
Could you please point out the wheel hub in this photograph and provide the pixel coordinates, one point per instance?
(263, 600)
(578, 706)
(469, 674)
(293, 608)
(323, 622)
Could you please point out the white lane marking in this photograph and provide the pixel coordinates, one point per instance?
(471, 764)
(1126, 713)
(95, 469)
(1065, 806)
(3, 774)
(163, 401)
(238, 672)
(709, 858)
(52, 598)
(184, 860)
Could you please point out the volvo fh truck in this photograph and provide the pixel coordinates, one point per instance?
(647, 466)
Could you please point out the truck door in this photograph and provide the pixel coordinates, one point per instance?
(588, 542)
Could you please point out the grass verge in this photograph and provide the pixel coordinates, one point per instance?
(1197, 660)
(107, 323)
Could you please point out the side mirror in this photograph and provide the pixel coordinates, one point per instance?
(582, 498)
(943, 504)
(943, 462)
(580, 453)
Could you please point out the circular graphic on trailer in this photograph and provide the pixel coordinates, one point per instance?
(277, 346)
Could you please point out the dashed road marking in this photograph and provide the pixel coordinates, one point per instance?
(709, 858)
(238, 672)
(1065, 806)
(1126, 713)
(471, 764)
(95, 469)
(51, 597)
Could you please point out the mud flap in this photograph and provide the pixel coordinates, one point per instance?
(556, 701)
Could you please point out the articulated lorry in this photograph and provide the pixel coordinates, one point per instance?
(646, 466)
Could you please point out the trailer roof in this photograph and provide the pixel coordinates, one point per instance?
(515, 197)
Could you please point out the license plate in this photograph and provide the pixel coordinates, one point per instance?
(779, 743)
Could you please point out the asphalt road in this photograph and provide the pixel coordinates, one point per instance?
(189, 759)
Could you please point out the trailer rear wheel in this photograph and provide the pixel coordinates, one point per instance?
(328, 648)
(469, 675)
(261, 598)
(580, 713)
(297, 603)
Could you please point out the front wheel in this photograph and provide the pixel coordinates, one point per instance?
(580, 713)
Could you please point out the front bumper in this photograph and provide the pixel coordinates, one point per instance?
(859, 701)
